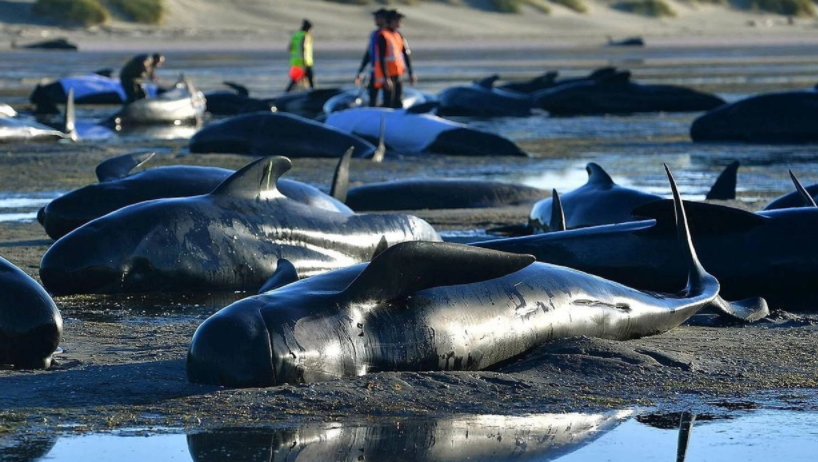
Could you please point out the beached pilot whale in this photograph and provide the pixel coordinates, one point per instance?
(267, 133)
(617, 94)
(428, 306)
(783, 117)
(17, 130)
(409, 133)
(93, 88)
(482, 437)
(231, 238)
(600, 201)
(30, 324)
(482, 100)
(358, 98)
(182, 104)
(428, 193)
(118, 188)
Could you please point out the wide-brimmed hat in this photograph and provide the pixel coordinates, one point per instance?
(381, 12)
(395, 14)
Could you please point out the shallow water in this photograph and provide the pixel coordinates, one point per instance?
(614, 436)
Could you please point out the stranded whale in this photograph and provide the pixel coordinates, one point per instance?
(428, 306)
(228, 239)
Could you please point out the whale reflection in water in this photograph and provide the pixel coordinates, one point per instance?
(540, 437)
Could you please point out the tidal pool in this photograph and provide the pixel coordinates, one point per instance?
(623, 435)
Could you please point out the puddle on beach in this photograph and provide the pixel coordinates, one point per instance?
(613, 436)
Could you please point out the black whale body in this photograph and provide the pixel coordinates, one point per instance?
(229, 239)
(771, 254)
(117, 189)
(618, 95)
(420, 194)
(601, 201)
(426, 306)
(267, 133)
(481, 101)
(785, 117)
(30, 324)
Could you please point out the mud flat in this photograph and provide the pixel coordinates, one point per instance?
(123, 359)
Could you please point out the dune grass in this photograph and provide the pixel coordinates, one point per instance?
(71, 12)
(650, 8)
(785, 7)
(141, 11)
(575, 5)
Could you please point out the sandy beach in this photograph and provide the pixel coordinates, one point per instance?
(259, 24)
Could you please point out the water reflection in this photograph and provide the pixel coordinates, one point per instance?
(481, 438)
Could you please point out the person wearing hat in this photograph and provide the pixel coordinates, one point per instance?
(392, 61)
(301, 56)
(379, 17)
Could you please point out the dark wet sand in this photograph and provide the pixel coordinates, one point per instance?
(124, 367)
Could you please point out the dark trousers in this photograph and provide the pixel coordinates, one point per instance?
(392, 97)
(133, 90)
(307, 75)
(373, 93)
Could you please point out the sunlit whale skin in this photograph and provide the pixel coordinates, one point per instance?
(770, 254)
(482, 438)
(231, 238)
(784, 117)
(357, 98)
(601, 201)
(426, 306)
(410, 133)
(182, 104)
(618, 95)
(118, 188)
(16, 130)
(267, 133)
(30, 323)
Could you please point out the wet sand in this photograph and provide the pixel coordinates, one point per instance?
(123, 359)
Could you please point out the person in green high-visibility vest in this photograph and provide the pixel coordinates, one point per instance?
(301, 56)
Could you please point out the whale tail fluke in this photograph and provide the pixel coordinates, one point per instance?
(802, 191)
(557, 214)
(725, 186)
(340, 180)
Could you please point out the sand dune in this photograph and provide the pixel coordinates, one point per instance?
(258, 23)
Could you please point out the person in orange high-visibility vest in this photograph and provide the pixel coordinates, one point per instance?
(392, 61)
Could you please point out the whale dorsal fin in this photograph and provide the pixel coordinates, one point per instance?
(602, 73)
(69, 126)
(120, 166)
(597, 175)
(340, 180)
(408, 267)
(725, 186)
(284, 274)
(429, 107)
(377, 156)
(805, 195)
(487, 82)
(257, 179)
(240, 89)
(704, 218)
(557, 214)
(382, 245)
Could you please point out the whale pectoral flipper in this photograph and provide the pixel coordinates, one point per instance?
(704, 218)
(120, 166)
(408, 267)
(255, 179)
(725, 186)
(805, 195)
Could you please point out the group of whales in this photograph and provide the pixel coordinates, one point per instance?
(240, 229)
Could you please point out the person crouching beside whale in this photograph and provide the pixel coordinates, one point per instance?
(136, 71)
